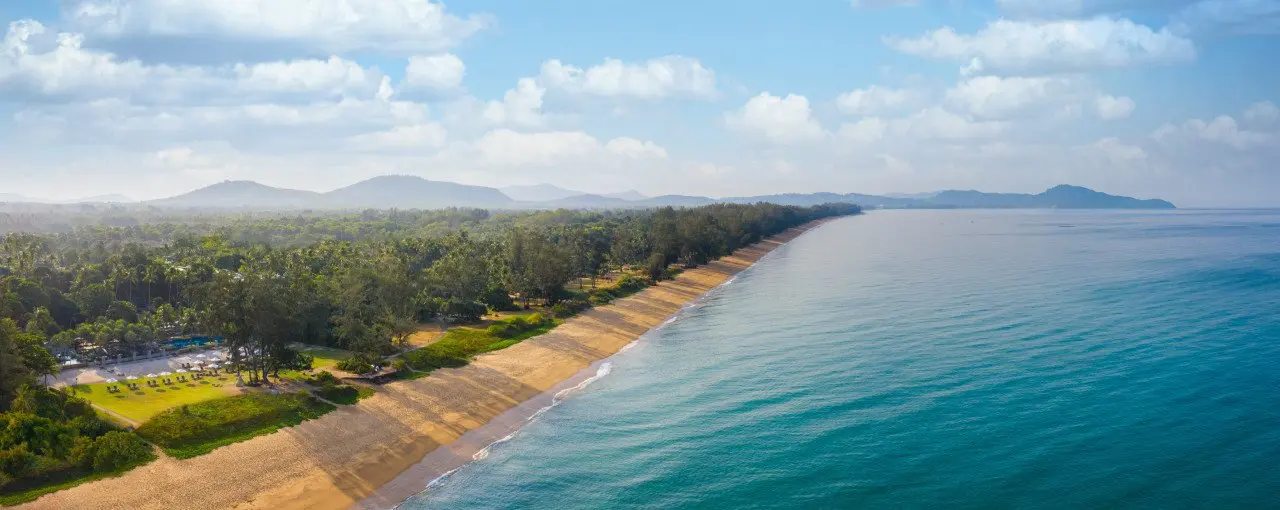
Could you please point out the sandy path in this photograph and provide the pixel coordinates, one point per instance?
(343, 457)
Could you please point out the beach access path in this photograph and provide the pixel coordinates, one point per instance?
(342, 458)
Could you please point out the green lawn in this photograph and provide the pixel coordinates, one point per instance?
(198, 429)
(325, 357)
(146, 402)
(460, 344)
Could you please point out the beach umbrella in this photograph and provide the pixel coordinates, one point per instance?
(165, 374)
(151, 376)
(111, 381)
(130, 377)
(182, 370)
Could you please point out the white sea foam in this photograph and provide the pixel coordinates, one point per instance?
(605, 369)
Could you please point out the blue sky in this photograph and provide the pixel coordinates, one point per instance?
(148, 98)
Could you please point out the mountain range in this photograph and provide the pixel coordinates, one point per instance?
(410, 192)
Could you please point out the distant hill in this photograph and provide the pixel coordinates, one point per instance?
(410, 192)
(1057, 197)
(630, 194)
(240, 195)
(675, 201)
(588, 202)
(538, 193)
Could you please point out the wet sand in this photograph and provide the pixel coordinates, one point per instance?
(389, 446)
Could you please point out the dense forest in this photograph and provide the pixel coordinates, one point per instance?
(362, 282)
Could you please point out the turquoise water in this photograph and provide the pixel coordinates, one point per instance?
(938, 359)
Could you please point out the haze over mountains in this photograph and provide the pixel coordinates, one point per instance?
(99, 199)
(409, 192)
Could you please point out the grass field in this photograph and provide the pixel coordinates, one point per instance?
(326, 358)
(200, 428)
(460, 344)
(146, 402)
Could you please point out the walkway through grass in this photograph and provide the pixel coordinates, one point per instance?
(147, 401)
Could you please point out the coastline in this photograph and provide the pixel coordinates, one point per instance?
(386, 449)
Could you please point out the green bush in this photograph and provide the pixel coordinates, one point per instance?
(356, 364)
(17, 462)
(459, 345)
(115, 450)
(497, 299)
(81, 455)
(200, 428)
(324, 377)
(565, 309)
(339, 394)
(464, 311)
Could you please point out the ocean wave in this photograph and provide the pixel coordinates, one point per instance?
(604, 370)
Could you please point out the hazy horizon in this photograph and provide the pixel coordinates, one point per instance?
(151, 99)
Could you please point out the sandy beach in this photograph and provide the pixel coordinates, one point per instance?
(386, 448)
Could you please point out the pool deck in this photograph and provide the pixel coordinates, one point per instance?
(90, 375)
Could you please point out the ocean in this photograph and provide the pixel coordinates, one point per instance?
(937, 359)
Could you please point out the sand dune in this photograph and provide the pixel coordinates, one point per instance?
(343, 458)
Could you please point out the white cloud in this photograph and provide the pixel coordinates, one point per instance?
(1053, 97)
(1223, 129)
(654, 79)
(521, 105)
(328, 26)
(781, 120)
(939, 124)
(636, 149)
(876, 100)
(1264, 112)
(442, 72)
(864, 131)
(261, 126)
(997, 97)
(37, 65)
(1052, 46)
(1113, 108)
(411, 137)
(507, 148)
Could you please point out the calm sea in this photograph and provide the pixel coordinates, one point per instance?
(938, 359)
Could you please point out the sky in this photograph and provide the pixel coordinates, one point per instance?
(1175, 99)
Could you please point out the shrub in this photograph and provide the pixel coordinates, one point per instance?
(399, 365)
(630, 284)
(198, 429)
(16, 462)
(324, 377)
(497, 299)
(569, 308)
(656, 266)
(115, 450)
(600, 297)
(339, 393)
(81, 455)
(356, 364)
(464, 311)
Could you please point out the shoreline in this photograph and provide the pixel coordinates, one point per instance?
(387, 448)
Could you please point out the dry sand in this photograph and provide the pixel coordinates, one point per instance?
(342, 459)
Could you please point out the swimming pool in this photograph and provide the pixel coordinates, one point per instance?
(193, 340)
